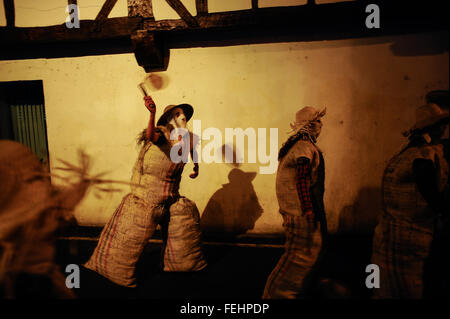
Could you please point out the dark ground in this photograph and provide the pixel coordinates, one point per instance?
(236, 269)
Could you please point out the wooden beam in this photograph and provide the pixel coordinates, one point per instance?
(202, 7)
(105, 10)
(183, 13)
(348, 17)
(335, 17)
(113, 28)
(294, 16)
(9, 13)
(333, 21)
(150, 50)
(140, 8)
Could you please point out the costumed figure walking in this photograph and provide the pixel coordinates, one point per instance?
(415, 202)
(300, 189)
(154, 199)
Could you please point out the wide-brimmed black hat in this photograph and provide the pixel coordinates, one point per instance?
(187, 109)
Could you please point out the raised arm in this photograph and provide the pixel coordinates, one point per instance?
(151, 133)
(194, 155)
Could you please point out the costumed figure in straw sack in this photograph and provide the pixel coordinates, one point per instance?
(32, 210)
(154, 200)
(300, 189)
(415, 202)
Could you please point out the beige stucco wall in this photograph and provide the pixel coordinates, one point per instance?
(370, 89)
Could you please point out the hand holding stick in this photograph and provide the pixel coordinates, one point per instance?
(150, 104)
(195, 174)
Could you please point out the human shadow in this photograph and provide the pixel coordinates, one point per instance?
(361, 217)
(233, 209)
(350, 248)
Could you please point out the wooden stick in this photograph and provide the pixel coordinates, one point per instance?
(202, 7)
(9, 13)
(105, 10)
(254, 4)
(183, 13)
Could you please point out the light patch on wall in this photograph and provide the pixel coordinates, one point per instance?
(34, 13)
(2, 15)
(163, 11)
(90, 8)
(119, 10)
(280, 3)
(229, 5)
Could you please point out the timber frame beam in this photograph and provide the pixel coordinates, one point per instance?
(151, 40)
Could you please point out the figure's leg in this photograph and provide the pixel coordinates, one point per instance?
(400, 253)
(182, 249)
(123, 239)
(302, 248)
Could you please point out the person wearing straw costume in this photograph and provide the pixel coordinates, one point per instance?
(31, 211)
(415, 199)
(300, 188)
(154, 200)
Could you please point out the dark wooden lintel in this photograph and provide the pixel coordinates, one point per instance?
(262, 25)
(113, 28)
(348, 17)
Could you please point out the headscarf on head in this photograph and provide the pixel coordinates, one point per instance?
(427, 116)
(301, 128)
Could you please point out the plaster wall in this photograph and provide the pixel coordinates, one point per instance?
(370, 87)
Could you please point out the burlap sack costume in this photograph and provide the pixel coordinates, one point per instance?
(404, 234)
(156, 201)
(31, 209)
(292, 276)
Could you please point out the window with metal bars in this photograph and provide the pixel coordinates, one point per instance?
(22, 115)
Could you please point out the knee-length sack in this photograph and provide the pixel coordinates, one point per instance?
(123, 239)
(403, 237)
(183, 251)
(155, 201)
(131, 227)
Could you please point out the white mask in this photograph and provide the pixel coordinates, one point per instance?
(178, 118)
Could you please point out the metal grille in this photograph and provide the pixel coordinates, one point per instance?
(30, 128)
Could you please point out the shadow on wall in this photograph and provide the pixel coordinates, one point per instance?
(362, 216)
(350, 249)
(234, 208)
(425, 44)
